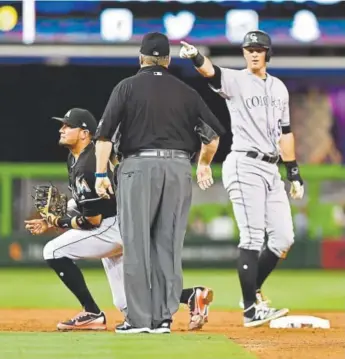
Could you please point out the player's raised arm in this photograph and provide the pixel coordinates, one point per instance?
(203, 65)
(217, 77)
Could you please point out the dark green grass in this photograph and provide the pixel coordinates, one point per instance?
(296, 289)
(40, 288)
(111, 346)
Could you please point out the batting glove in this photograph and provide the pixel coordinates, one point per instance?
(296, 190)
(294, 177)
(187, 51)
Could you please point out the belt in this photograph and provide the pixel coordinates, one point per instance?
(160, 154)
(262, 157)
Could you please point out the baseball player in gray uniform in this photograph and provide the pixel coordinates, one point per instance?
(258, 104)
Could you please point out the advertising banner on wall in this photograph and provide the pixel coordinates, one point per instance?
(333, 254)
(211, 22)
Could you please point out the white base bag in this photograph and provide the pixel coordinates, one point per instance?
(300, 321)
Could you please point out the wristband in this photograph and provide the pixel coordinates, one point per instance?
(292, 171)
(198, 60)
(291, 164)
(73, 223)
(101, 175)
(63, 222)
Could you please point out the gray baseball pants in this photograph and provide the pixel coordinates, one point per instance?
(154, 198)
(260, 203)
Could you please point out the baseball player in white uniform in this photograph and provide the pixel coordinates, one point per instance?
(258, 104)
(93, 232)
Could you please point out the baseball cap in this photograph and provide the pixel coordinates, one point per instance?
(79, 118)
(155, 44)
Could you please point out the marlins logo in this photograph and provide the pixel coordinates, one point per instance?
(82, 186)
(253, 37)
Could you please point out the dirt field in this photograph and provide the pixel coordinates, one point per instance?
(266, 343)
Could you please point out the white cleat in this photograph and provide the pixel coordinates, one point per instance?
(264, 314)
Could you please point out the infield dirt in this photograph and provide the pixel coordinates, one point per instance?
(266, 343)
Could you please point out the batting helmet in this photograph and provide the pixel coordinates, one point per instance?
(258, 38)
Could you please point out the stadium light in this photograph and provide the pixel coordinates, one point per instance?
(29, 22)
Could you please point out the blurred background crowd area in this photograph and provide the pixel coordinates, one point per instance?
(56, 55)
(318, 122)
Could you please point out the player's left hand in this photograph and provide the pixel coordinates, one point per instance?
(294, 177)
(296, 190)
(103, 187)
(204, 176)
(36, 226)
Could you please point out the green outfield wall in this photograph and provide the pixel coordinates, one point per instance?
(322, 246)
(27, 251)
(325, 189)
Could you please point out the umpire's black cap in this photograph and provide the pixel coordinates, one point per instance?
(79, 118)
(155, 44)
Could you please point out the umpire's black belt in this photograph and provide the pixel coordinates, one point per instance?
(262, 157)
(160, 154)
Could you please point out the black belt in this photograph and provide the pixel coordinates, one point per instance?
(160, 154)
(262, 157)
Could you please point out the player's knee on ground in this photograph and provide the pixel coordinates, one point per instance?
(50, 252)
(280, 243)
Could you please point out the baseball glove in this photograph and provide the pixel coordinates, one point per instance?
(49, 201)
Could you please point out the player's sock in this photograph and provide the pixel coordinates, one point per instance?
(186, 294)
(267, 262)
(247, 272)
(73, 278)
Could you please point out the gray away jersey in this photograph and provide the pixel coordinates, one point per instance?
(258, 110)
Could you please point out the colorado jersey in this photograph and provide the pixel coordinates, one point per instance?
(258, 109)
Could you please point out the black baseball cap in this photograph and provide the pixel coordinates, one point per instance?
(79, 118)
(155, 44)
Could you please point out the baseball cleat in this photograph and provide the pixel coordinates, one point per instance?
(199, 307)
(264, 314)
(85, 321)
(260, 298)
(126, 328)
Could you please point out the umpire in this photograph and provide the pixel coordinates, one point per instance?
(160, 121)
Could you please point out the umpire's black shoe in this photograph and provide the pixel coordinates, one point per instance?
(126, 328)
(163, 328)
